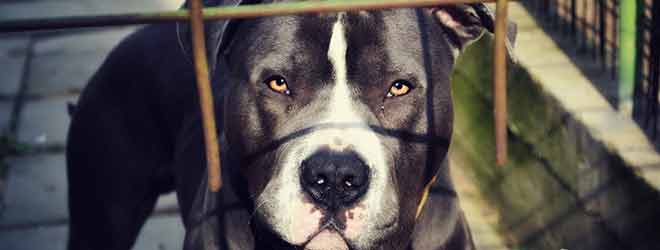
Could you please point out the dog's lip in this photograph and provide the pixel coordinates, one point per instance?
(330, 223)
(333, 222)
(329, 229)
(394, 222)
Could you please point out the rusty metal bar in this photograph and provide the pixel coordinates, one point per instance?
(205, 96)
(499, 82)
(214, 13)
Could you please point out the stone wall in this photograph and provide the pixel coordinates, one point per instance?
(565, 186)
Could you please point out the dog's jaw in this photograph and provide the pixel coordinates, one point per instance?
(284, 206)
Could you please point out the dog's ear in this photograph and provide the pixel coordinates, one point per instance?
(460, 23)
(465, 23)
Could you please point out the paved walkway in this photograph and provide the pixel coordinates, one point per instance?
(48, 70)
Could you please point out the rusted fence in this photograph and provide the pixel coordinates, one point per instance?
(647, 78)
(597, 29)
(593, 24)
(197, 14)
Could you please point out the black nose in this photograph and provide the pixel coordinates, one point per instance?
(335, 179)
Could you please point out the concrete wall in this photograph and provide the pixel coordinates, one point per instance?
(564, 187)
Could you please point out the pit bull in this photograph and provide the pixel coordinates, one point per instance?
(334, 128)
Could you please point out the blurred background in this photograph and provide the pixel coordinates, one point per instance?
(584, 172)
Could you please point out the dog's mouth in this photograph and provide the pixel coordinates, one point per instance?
(347, 228)
(329, 236)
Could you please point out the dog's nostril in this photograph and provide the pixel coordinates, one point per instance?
(348, 182)
(351, 183)
(334, 179)
(320, 180)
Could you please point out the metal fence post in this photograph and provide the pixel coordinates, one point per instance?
(500, 82)
(627, 54)
(205, 96)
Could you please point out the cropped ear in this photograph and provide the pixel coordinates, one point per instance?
(464, 23)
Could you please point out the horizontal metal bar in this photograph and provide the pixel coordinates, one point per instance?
(215, 13)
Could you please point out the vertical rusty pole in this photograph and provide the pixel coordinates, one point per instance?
(205, 96)
(499, 82)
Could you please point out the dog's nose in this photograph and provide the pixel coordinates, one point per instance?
(335, 179)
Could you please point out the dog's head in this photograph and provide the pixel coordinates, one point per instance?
(339, 121)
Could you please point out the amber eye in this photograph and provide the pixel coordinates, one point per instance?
(399, 88)
(278, 84)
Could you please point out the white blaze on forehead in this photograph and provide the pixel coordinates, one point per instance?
(341, 101)
(337, 49)
(344, 107)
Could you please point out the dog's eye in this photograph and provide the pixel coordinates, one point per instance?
(399, 88)
(278, 84)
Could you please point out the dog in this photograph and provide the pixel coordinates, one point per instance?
(334, 128)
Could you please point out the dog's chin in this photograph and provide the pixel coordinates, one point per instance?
(327, 240)
(310, 227)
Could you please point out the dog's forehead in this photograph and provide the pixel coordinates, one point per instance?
(384, 42)
(376, 40)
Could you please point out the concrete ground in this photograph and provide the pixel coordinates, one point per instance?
(41, 72)
(47, 70)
